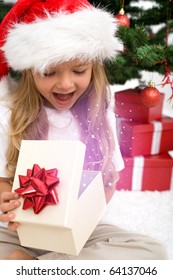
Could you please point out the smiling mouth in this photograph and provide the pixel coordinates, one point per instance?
(63, 97)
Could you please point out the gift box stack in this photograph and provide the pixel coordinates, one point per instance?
(146, 141)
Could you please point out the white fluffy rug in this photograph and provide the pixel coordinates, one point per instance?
(146, 212)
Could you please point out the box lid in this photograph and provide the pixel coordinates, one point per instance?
(134, 95)
(165, 123)
(131, 95)
(160, 160)
(68, 158)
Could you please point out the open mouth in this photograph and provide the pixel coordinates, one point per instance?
(63, 98)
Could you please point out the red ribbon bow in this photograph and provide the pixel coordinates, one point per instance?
(38, 188)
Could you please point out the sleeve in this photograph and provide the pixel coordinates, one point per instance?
(4, 140)
(116, 157)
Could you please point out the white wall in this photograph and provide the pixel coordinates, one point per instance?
(10, 1)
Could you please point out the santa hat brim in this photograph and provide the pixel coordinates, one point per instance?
(87, 34)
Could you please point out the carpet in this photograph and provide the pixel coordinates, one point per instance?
(149, 212)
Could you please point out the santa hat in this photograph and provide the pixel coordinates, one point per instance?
(36, 34)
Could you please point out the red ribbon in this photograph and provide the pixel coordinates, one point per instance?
(168, 80)
(38, 188)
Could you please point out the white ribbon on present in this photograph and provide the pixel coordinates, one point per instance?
(156, 139)
(137, 173)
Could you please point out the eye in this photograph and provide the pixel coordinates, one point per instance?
(79, 72)
(49, 74)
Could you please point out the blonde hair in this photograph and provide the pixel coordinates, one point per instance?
(29, 121)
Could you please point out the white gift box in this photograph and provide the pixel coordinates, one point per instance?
(66, 226)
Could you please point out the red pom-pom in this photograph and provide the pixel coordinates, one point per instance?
(122, 19)
(150, 96)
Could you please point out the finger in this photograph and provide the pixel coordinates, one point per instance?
(12, 226)
(6, 217)
(7, 196)
(6, 207)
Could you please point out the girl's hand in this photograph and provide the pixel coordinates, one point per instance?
(9, 202)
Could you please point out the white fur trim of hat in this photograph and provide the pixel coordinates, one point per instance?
(87, 34)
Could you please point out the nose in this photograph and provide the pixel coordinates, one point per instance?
(64, 83)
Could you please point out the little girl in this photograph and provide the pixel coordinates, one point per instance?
(60, 92)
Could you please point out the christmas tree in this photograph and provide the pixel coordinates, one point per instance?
(143, 49)
(4, 8)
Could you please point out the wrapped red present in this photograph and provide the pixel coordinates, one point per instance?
(152, 138)
(128, 105)
(147, 173)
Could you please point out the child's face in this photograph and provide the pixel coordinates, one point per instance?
(63, 84)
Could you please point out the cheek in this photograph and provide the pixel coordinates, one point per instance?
(42, 86)
(85, 82)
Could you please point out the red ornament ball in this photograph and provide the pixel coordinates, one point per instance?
(150, 96)
(122, 20)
